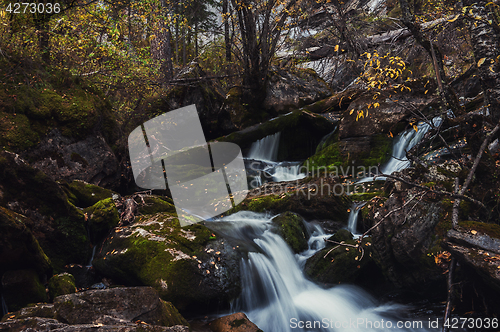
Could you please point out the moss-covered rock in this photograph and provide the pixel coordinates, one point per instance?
(341, 235)
(19, 249)
(344, 264)
(61, 284)
(176, 261)
(83, 194)
(102, 217)
(154, 204)
(290, 226)
(352, 156)
(312, 198)
(61, 100)
(20, 287)
(56, 223)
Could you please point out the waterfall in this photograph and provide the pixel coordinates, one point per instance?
(265, 151)
(403, 143)
(266, 148)
(278, 297)
(352, 223)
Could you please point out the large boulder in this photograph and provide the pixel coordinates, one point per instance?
(61, 284)
(188, 266)
(101, 218)
(20, 287)
(291, 90)
(120, 304)
(291, 227)
(117, 309)
(55, 222)
(67, 158)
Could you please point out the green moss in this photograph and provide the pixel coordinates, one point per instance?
(341, 235)
(86, 194)
(154, 205)
(102, 217)
(61, 284)
(363, 197)
(338, 161)
(291, 228)
(492, 230)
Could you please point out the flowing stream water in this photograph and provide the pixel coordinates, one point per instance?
(278, 297)
(265, 151)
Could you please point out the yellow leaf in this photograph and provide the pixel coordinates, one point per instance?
(473, 232)
(352, 111)
(481, 61)
(390, 134)
(454, 19)
(491, 69)
(368, 55)
(426, 92)
(415, 128)
(336, 48)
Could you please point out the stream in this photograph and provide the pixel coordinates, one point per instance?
(278, 297)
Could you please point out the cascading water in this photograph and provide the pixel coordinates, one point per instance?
(265, 152)
(265, 149)
(5, 310)
(403, 143)
(278, 298)
(352, 223)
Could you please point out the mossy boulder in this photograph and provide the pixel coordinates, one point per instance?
(293, 89)
(55, 222)
(83, 194)
(59, 100)
(61, 284)
(345, 264)
(187, 266)
(153, 204)
(117, 305)
(19, 249)
(290, 226)
(358, 156)
(102, 217)
(20, 287)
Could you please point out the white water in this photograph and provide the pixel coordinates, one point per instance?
(276, 295)
(403, 143)
(266, 150)
(352, 223)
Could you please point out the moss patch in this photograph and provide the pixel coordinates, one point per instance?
(84, 194)
(292, 229)
(61, 284)
(102, 217)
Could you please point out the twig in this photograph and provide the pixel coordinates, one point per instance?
(345, 245)
(447, 311)
(437, 192)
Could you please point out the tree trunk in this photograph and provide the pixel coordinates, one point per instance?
(42, 26)
(161, 48)
(486, 45)
(448, 95)
(225, 17)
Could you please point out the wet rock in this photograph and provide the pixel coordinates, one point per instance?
(290, 226)
(117, 304)
(345, 264)
(287, 90)
(312, 198)
(20, 287)
(64, 158)
(237, 322)
(61, 284)
(187, 265)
